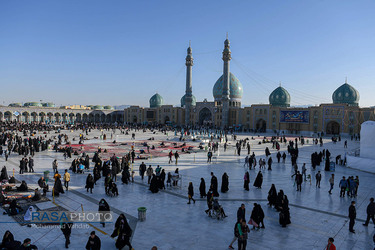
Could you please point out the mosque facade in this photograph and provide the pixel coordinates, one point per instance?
(343, 116)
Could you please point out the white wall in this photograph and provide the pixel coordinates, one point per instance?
(367, 144)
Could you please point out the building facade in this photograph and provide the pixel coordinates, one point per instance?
(342, 116)
(35, 112)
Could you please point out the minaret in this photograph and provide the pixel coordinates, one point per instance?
(226, 82)
(189, 87)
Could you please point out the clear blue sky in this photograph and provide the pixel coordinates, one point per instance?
(122, 52)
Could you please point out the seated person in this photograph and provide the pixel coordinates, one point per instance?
(153, 147)
(114, 189)
(37, 195)
(12, 179)
(217, 207)
(9, 242)
(80, 168)
(14, 208)
(43, 185)
(26, 245)
(3, 199)
(22, 187)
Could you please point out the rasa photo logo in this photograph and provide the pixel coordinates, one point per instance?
(67, 216)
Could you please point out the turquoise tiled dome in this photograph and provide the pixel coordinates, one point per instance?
(346, 94)
(280, 97)
(235, 88)
(193, 103)
(156, 101)
(32, 104)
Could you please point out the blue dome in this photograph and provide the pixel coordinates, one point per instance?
(156, 101)
(346, 94)
(193, 103)
(235, 88)
(280, 97)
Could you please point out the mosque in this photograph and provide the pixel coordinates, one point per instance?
(343, 116)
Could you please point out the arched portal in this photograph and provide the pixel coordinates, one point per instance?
(166, 119)
(333, 128)
(25, 117)
(85, 117)
(8, 116)
(261, 125)
(78, 117)
(42, 116)
(134, 119)
(205, 117)
(57, 117)
(34, 117)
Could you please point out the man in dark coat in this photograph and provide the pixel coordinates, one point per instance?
(352, 216)
(370, 212)
(142, 170)
(241, 213)
(214, 185)
(66, 228)
(31, 165)
(94, 242)
(299, 181)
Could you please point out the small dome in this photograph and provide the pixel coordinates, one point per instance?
(97, 107)
(193, 102)
(108, 107)
(346, 94)
(156, 101)
(280, 97)
(235, 88)
(17, 104)
(48, 104)
(32, 104)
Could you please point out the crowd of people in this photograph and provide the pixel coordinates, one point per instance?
(158, 179)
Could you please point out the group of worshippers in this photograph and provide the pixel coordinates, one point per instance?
(281, 203)
(8, 242)
(24, 163)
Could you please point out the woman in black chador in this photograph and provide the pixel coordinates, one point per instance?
(272, 196)
(123, 231)
(57, 188)
(154, 184)
(258, 180)
(202, 188)
(224, 183)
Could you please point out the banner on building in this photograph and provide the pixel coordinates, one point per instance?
(294, 116)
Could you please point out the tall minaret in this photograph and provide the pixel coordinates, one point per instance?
(226, 82)
(189, 87)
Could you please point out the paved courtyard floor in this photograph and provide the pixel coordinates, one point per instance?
(173, 224)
